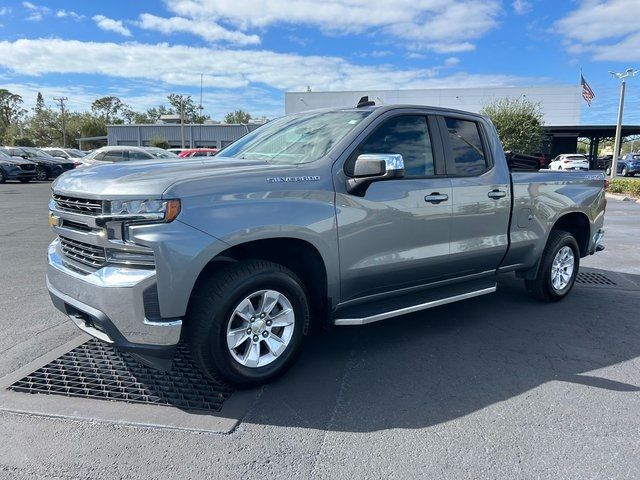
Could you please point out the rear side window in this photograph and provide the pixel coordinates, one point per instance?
(406, 135)
(136, 155)
(113, 156)
(466, 145)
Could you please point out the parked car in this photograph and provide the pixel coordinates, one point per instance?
(198, 152)
(115, 154)
(522, 162)
(47, 166)
(602, 161)
(177, 151)
(160, 152)
(71, 154)
(239, 257)
(628, 165)
(16, 168)
(569, 161)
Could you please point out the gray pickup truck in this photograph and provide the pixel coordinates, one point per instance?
(331, 217)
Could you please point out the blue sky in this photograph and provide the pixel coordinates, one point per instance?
(252, 51)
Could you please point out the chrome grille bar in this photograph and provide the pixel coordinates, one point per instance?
(83, 252)
(78, 205)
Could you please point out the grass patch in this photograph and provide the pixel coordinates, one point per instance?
(625, 186)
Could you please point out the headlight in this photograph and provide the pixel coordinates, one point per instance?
(143, 210)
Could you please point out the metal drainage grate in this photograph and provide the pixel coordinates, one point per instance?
(592, 278)
(99, 371)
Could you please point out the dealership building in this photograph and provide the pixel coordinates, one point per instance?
(560, 105)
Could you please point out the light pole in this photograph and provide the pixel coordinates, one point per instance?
(630, 72)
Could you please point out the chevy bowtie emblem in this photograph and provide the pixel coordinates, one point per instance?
(305, 178)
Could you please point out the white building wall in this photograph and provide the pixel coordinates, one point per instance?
(560, 104)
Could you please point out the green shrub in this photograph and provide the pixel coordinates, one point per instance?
(159, 143)
(626, 186)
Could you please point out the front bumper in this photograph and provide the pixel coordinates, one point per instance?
(109, 304)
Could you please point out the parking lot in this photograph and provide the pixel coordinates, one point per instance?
(500, 386)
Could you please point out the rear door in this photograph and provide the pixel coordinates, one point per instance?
(481, 199)
(394, 237)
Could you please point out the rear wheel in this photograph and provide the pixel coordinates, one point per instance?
(624, 171)
(608, 171)
(2, 177)
(558, 268)
(245, 324)
(41, 174)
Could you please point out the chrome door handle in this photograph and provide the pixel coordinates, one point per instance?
(436, 197)
(497, 194)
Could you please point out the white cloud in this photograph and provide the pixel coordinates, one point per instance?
(440, 25)
(451, 61)
(111, 25)
(223, 68)
(607, 29)
(206, 29)
(521, 7)
(5, 11)
(35, 13)
(70, 14)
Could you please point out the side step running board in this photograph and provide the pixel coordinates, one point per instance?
(413, 308)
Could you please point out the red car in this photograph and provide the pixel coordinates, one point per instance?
(198, 152)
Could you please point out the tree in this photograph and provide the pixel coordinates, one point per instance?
(11, 113)
(518, 122)
(39, 103)
(108, 108)
(24, 142)
(191, 110)
(239, 116)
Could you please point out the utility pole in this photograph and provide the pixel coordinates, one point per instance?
(630, 72)
(61, 101)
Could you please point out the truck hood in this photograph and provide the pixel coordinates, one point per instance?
(150, 178)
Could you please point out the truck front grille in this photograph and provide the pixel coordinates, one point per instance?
(84, 206)
(83, 252)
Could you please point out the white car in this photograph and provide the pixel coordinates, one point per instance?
(569, 161)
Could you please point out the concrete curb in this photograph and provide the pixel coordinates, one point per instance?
(622, 198)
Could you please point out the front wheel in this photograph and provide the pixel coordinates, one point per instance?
(558, 268)
(608, 171)
(625, 173)
(2, 177)
(41, 174)
(245, 324)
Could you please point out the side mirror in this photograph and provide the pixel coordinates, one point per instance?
(374, 167)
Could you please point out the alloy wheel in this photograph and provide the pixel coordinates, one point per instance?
(260, 328)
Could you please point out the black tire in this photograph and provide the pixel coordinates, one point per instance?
(41, 174)
(541, 287)
(210, 312)
(2, 177)
(624, 172)
(607, 171)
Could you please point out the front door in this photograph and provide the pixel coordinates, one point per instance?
(397, 235)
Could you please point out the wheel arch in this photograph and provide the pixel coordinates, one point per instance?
(298, 255)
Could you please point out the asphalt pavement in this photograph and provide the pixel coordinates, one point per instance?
(498, 387)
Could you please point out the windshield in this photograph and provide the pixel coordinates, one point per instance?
(576, 157)
(4, 155)
(296, 139)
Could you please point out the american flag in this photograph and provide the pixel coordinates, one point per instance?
(587, 93)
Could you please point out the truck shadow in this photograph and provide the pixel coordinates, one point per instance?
(441, 364)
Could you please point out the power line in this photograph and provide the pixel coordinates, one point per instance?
(60, 101)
